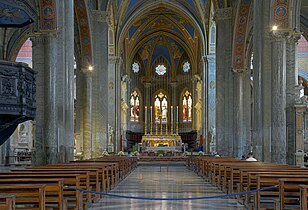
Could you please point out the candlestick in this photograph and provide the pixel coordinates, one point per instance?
(151, 114)
(145, 114)
(171, 113)
(161, 126)
(177, 113)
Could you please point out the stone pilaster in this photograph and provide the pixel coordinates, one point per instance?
(147, 102)
(80, 81)
(174, 103)
(241, 142)
(261, 139)
(88, 142)
(114, 97)
(278, 133)
(211, 95)
(124, 108)
(300, 110)
(291, 83)
(100, 83)
(224, 90)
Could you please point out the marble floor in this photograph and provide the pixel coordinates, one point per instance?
(165, 182)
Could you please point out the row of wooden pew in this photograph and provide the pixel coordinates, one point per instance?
(51, 187)
(233, 176)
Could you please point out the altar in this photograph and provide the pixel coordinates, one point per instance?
(163, 138)
(162, 142)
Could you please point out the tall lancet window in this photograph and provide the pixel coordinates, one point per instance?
(187, 107)
(161, 108)
(134, 107)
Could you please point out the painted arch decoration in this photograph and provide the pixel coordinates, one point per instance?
(239, 41)
(84, 31)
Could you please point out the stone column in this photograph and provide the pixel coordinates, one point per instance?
(88, 142)
(224, 76)
(100, 84)
(262, 81)
(242, 115)
(65, 80)
(46, 141)
(291, 83)
(278, 134)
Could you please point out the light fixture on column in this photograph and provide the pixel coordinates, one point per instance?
(90, 68)
(275, 28)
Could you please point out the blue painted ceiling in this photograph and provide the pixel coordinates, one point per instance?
(12, 16)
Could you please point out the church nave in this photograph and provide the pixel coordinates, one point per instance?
(162, 182)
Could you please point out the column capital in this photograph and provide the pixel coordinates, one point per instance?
(99, 16)
(223, 14)
(294, 36)
(281, 35)
(114, 59)
(244, 70)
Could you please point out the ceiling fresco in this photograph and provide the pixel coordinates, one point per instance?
(13, 16)
(161, 30)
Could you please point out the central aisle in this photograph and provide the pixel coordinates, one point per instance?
(165, 182)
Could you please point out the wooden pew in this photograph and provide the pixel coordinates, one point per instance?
(271, 179)
(107, 172)
(27, 194)
(289, 192)
(89, 177)
(53, 189)
(7, 201)
(303, 198)
(72, 180)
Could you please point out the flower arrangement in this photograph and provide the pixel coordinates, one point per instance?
(121, 153)
(200, 153)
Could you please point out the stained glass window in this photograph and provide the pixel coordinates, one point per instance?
(135, 67)
(187, 107)
(160, 69)
(186, 66)
(161, 108)
(134, 107)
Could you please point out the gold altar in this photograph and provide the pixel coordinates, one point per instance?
(162, 142)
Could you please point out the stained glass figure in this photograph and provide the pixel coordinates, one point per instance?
(134, 107)
(187, 107)
(161, 108)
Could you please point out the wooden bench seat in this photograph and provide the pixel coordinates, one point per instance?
(7, 201)
(304, 197)
(53, 189)
(27, 196)
(72, 180)
(271, 179)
